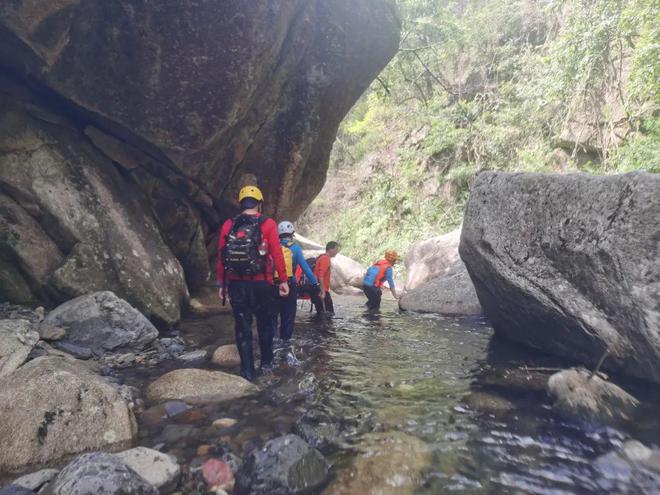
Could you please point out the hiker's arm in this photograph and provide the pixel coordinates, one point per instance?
(390, 281)
(220, 267)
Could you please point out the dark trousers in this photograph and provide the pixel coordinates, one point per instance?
(325, 305)
(287, 307)
(254, 298)
(374, 295)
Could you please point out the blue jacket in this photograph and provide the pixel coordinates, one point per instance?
(372, 273)
(298, 259)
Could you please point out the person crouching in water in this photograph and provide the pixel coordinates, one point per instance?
(322, 270)
(376, 276)
(249, 252)
(293, 257)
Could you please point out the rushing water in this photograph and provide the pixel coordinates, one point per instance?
(420, 375)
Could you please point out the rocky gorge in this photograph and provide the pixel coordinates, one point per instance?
(118, 369)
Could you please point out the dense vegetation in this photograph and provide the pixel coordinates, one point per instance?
(525, 85)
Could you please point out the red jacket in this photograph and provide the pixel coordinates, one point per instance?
(275, 256)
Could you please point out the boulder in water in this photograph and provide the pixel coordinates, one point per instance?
(17, 338)
(283, 465)
(579, 394)
(431, 258)
(569, 264)
(198, 386)
(103, 323)
(160, 470)
(390, 463)
(226, 355)
(52, 408)
(100, 473)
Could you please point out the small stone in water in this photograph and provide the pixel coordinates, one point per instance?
(174, 407)
(217, 474)
(225, 422)
(203, 450)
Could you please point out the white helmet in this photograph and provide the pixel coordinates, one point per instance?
(285, 228)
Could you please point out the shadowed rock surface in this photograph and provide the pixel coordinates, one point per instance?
(147, 117)
(570, 264)
(52, 408)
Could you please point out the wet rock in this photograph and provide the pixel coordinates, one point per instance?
(16, 490)
(10, 311)
(389, 463)
(218, 475)
(198, 386)
(516, 378)
(283, 465)
(488, 403)
(17, 338)
(77, 351)
(124, 360)
(448, 294)
(431, 258)
(568, 264)
(100, 473)
(172, 346)
(577, 394)
(226, 355)
(175, 407)
(193, 357)
(173, 434)
(34, 481)
(50, 333)
(104, 323)
(160, 470)
(318, 430)
(52, 408)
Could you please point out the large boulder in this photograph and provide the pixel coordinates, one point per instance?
(17, 338)
(285, 465)
(197, 386)
(217, 92)
(103, 323)
(450, 294)
(569, 264)
(437, 280)
(76, 224)
(431, 258)
(52, 408)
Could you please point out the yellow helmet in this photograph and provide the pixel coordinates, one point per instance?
(391, 255)
(250, 192)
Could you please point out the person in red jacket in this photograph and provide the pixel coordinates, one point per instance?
(323, 300)
(248, 252)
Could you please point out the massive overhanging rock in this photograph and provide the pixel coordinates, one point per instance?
(178, 102)
(570, 264)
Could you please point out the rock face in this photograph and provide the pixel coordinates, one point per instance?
(195, 385)
(17, 338)
(579, 395)
(284, 465)
(570, 264)
(123, 191)
(438, 281)
(96, 473)
(103, 323)
(51, 408)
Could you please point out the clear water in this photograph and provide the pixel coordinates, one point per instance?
(394, 372)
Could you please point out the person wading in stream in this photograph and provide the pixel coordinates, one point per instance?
(248, 253)
(293, 258)
(376, 276)
(323, 301)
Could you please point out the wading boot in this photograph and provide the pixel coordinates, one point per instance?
(247, 360)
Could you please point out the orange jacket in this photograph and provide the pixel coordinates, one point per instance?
(322, 271)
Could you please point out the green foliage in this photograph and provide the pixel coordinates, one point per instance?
(521, 85)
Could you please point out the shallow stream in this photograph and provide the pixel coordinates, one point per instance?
(487, 426)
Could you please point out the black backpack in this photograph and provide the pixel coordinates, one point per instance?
(241, 253)
(304, 284)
